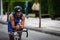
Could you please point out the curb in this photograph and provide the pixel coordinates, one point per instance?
(4, 22)
(47, 31)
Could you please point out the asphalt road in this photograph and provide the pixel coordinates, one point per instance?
(33, 35)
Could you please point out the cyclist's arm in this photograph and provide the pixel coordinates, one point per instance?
(12, 21)
(23, 20)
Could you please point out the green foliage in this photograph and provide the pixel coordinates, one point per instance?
(51, 7)
(44, 7)
(51, 11)
(17, 0)
(13, 3)
(57, 8)
(5, 6)
(54, 8)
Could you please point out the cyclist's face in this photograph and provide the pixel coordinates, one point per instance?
(18, 14)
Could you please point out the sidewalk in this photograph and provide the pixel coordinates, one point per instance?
(47, 25)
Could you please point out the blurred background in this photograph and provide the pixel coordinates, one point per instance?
(49, 8)
(42, 18)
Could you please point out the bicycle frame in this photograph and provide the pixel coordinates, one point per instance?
(16, 36)
(16, 33)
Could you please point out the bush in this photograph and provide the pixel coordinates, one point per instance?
(54, 8)
(44, 7)
(51, 11)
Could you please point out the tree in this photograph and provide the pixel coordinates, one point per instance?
(8, 10)
(51, 11)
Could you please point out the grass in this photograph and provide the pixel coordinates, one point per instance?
(31, 15)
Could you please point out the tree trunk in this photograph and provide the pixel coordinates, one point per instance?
(8, 10)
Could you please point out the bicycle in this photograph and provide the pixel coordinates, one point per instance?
(16, 33)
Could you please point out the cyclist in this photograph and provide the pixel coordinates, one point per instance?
(16, 21)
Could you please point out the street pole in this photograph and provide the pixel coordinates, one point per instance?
(8, 10)
(40, 14)
(1, 8)
(26, 8)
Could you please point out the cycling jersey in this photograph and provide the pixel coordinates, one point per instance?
(16, 21)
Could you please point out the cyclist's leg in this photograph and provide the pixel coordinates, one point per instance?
(20, 34)
(11, 37)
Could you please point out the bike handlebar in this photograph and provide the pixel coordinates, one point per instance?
(24, 30)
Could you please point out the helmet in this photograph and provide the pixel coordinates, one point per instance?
(17, 8)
